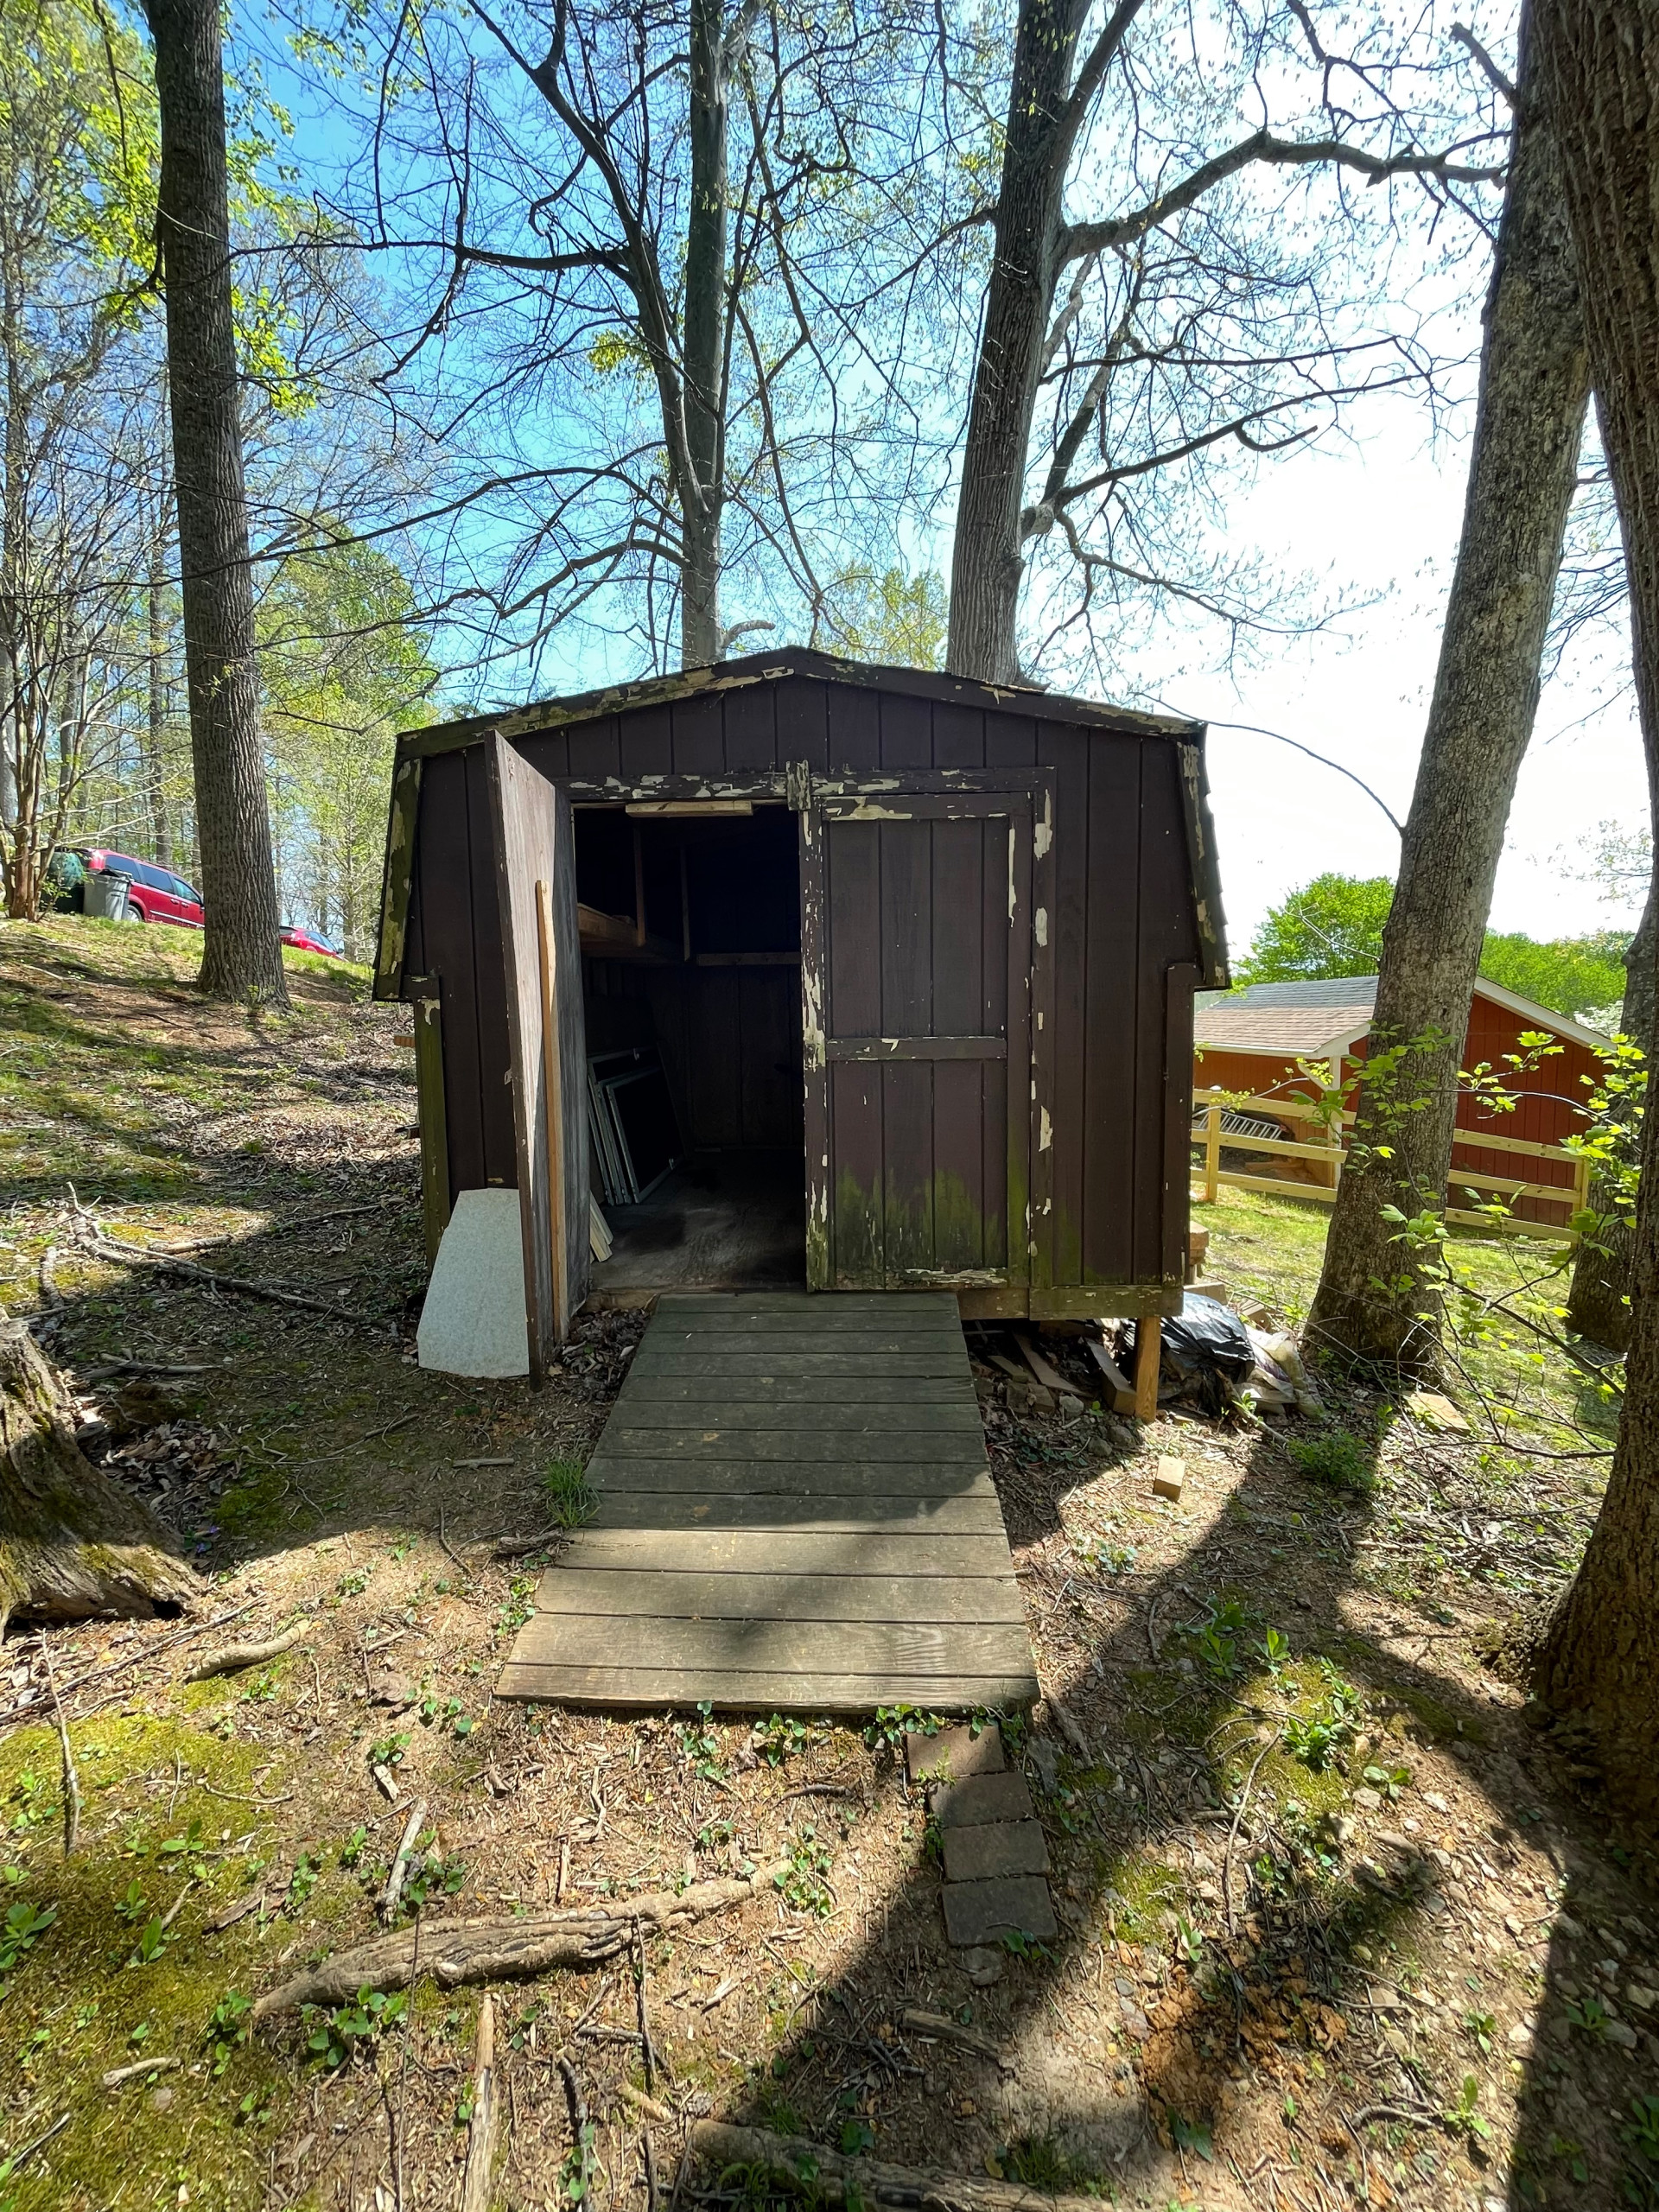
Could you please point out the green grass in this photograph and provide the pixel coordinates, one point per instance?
(571, 1498)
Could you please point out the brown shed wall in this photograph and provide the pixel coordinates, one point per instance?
(1118, 1038)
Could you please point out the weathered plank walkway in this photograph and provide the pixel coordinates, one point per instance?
(795, 1515)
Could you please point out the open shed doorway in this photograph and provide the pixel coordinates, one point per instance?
(690, 921)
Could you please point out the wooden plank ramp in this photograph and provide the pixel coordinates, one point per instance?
(795, 1515)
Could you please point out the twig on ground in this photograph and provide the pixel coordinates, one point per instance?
(396, 1879)
(1232, 1833)
(133, 1659)
(444, 1539)
(118, 2075)
(481, 2134)
(89, 1234)
(233, 1658)
(71, 1778)
(640, 2007)
(28, 2150)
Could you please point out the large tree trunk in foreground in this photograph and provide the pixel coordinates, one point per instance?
(986, 564)
(1373, 1302)
(1599, 1302)
(72, 1543)
(1599, 69)
(242, 953)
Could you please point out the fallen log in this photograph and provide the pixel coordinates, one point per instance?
(233, 1658)
(826, 2176)
(456, 1951)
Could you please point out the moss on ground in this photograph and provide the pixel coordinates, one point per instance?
(125, 1968)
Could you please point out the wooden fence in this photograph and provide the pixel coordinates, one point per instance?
(1329, 1149)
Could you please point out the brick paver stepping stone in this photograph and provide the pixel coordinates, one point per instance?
(996, 1857)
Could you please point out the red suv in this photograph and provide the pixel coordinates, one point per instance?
(157, 894)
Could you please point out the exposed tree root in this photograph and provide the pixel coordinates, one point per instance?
(73, 1542)
(456, 1951)
(826, 2176)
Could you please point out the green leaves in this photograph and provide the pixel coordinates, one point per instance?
(336, 2036)
(25, 1924)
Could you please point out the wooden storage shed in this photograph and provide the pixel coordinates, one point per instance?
(916, 957)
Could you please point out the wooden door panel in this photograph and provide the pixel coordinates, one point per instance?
(535, 887)
(923, 957)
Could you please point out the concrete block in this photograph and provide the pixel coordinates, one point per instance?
(982, 1798)
(978, 1912)
(997, 1847)
(473, 1322)
(1170, 1477)
(954, 1754)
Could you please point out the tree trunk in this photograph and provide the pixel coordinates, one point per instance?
(156, 755)
(1599, 79)
(241, 956)
(704, 343)
(1373, 1301)
(72, 1543)
(986, 563)
(1598, 1301)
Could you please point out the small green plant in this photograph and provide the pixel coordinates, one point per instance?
(1189, 1941)
(1463, 2117)
(1020, 1943)
(33, 1806)
(699, 1744)
(152, 1941)
(133, 1906)
(1387, 1781)
(571, 1498)
(353, 1584)
(1191, 2135)
(804, 1882)
(388, 1750)
(1096, 1556)
(190, 1847)
(351, 1850)
(1640, 2140)
(778, 1739)
(336, 2034)
(228, 2029)
(300, 1882)
(579, 2168)
(1589, 2015)
(1315, 1738)
(1483, 2026)
(1276, 1650)
(261, 1688)
(856, 2135)
(892, 1723)
(429, 1873)
(1338, 1458)
(521, 1604)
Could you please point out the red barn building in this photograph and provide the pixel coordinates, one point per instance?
(1252, 1043)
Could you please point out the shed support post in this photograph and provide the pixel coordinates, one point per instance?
(1149, 1338)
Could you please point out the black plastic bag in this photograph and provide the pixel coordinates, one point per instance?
(1207, 1356)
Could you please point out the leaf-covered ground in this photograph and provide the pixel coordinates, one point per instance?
(1338, 1924)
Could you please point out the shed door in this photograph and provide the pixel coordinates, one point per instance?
(916, 978)
(535, 884)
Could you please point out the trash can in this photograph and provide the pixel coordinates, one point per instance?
(106, 894)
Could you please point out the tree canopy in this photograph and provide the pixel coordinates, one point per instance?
(1333, 926)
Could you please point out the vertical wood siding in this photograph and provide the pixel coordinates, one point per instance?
(1122, 917)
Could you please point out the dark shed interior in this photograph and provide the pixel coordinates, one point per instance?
(917, 956)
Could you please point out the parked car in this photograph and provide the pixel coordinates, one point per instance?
(155, 893)
(304, 941)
